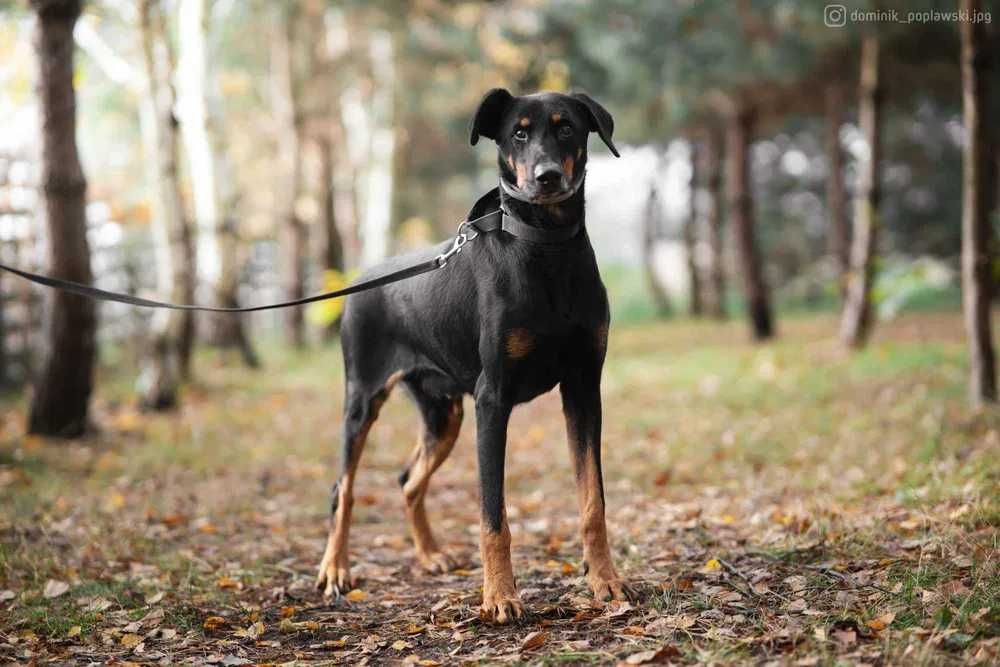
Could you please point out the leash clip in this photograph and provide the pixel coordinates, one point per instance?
(456, 246)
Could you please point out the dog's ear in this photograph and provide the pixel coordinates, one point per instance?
(600, 120)
(486, 122)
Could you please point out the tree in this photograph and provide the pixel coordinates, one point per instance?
(61, 399)
(739, 134)
(173, 331)
(287, 111)
(978, 183)
(652, 228)
(713, 223)
(690, 234)
(212, 182)
(839, 235)
(856, 322)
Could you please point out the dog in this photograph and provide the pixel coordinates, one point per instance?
(519, 311)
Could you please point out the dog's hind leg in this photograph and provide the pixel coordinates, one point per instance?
(360, 412)
(442, 418)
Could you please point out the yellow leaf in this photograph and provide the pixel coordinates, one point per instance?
(882, 622)
(286, 626)
(414, 629)
(129, 640)
(227, 582)
(356, 595)
(568, 569)
(74, 631)
(400, 645)
(213, 623)
(712, 565)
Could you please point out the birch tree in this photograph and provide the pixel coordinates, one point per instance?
(173, 331)
(213, 185)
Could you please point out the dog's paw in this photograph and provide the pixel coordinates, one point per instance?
(612, 589)
(501, 608)
(436, 562)
(333, 579)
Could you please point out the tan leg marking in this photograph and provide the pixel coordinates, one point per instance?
(334, 575)
(428, 455)
(501, 603)
(520, 343)
(602, 577)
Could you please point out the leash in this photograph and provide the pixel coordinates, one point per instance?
(498, 219)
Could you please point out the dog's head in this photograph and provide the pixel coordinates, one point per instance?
(542, 139)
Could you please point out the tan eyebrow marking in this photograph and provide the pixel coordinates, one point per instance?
(525, 121)
(556, 117)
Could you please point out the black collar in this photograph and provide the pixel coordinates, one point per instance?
(504, 220)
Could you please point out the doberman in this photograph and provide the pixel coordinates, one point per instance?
(510, 318)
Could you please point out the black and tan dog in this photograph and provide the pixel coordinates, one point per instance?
(521, 310)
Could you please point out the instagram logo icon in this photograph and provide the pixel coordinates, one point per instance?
(835, 16)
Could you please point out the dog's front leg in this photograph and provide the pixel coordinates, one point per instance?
(581, 394)
(501, 602)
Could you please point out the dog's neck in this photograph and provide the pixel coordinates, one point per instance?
(546, 216)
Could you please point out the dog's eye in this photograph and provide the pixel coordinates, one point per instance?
(565, 131)
(521, 135)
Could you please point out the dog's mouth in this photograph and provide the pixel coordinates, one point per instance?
(542, 194)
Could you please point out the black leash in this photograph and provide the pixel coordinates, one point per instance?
(481, 224)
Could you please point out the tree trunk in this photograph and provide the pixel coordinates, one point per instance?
(856, 321)
(651, 230)
(978, 181)
(61, 398)
(173, 331)
(690, 233)
(212, 183)
(713, 224)
(379, 188)
(292, 234)
(839, 235)
(738, 138)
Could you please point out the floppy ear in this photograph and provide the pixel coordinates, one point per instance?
(600, 120)
(486, 122)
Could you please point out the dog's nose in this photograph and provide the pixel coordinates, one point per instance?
(548, 174)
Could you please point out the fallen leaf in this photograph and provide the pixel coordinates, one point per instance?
(534, 640)
(711, 565)
(153, 599)
(54, 588)
(796, 605)
(213, 623)
(414, 629)
(882, 622)
(655, 656)
(634, 630)
(7, 595)
(356, 595)
(400, 645)
(288, 612)
(130, 640)
(227, 582)
(845, 637)
(74, 631)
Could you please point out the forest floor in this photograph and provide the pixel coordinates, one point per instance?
(787, 502)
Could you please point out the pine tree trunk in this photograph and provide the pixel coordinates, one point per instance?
(855, 325)
(713, 225)
(59, 406)
(292, 235)
(651, 231)
(978, 182)
(839, 235)
(212, 182)
(738, 138)
(690, 233)
(173, 331)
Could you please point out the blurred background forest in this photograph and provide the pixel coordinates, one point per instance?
(242, 152)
